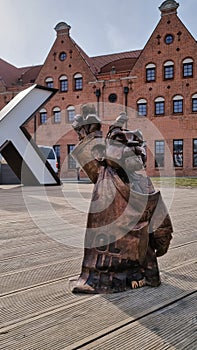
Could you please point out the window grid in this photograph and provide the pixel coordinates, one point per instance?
(142, 109)
(64, 85)
(194, 104)
(150, 74)
(178, 106)
(78, 83)
(57, 116)
(71, 161)
(71, 114)
(159, 153)
(43, 117)
(49, 84)
(194, 152)
(159, 108)
(169, 72)
(178, 153)
(187, 70)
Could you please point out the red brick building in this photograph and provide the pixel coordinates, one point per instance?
(156, 86)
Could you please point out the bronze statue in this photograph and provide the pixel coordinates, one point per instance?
(128, 225)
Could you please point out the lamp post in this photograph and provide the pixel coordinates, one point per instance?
(126, 91)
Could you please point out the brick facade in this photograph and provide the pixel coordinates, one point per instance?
(125, 75)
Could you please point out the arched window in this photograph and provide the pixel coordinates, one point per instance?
(142, 107)
(49, 82)
(43, 116)
(57, 114)
(178, 104)
(194, 103)
(63, 83)
(159, 106)
(70, 113)
(78, 81)
(150, 72)
(187, 68)
(169, 70)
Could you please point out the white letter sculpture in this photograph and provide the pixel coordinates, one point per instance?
(16, 144)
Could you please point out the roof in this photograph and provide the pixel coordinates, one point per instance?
(8, 73)
(118, 59)
(100, 64)
(29, 74)
(11, 76)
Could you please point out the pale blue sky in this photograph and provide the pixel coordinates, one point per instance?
(99, 27)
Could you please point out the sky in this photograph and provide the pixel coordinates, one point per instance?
(98, 27)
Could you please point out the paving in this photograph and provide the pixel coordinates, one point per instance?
(41, 239)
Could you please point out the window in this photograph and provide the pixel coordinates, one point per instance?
(57, 152)
(188, 68)
(112, 98)
(43, 116)
(142, 107)
(78, 81)
(169, 70)
(169, 39)
(62, 56)
(71, 161)
(150, 72)
(49, 82)
(194, 152)
(159, 153)
(159, 106)
(70, 113)
(57, 115)
(63, 83)
(178, 104)
(178, 153)
(194, 103)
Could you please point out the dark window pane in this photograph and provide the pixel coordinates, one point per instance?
(150, 74)
(169, 72)
(188, 70)
(169, 39)
(195, 152)
(159, 153)
(159, 107)
(71, 161)
(63, 85)
(178, 106)
(142, 109)
(57, 117)
(178, 153)
(194, 104)
(49, 84)
(112, 98)
(62, 56)
(43, 118)
(78, 83)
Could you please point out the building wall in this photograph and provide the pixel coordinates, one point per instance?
(167, 127)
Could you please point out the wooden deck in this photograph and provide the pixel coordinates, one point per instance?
(41, 238)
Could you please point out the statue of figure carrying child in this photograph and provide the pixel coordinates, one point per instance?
(128, 225)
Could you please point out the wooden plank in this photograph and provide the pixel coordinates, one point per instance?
(173, 327)
(76, 323)
(13, 282)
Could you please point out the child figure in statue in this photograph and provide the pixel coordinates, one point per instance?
(128, 225)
